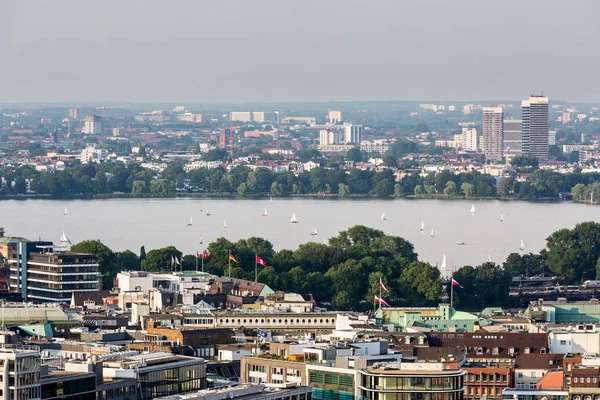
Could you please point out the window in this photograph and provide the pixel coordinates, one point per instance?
(519, 375)
(563, 342)
(574, 380)
(568, 380)
(533, 374)
(588, 380)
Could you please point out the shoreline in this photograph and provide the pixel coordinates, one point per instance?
(231, 196)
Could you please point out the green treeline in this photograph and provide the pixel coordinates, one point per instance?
(345, 272)
(108, 179)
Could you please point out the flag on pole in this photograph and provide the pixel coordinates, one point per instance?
(178, 262)
(172, 261)
(312, 298)
(260, 261)
(262, 334)
(206, 254)
(381, 285)
(232, 258)
(455, 283)
(381, 301)
(198, 255)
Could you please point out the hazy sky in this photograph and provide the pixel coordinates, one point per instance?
(298, 50)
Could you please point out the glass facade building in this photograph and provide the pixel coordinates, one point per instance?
(392, 384)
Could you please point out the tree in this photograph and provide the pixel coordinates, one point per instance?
(276, 189)
(160, 260)
(160, 188)
(398, 192)
(107, 265)
(138, 188)
(418, 190)
(354, 154)
(468, 189)
(578, 191)
(505, 187)
(242, 189)
(343, 190)
(422, 283)
(450, 189)
(573, 253)
(384, 188)
(127, 260)
(142, 253)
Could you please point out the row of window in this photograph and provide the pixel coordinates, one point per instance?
(412, 382)
(412, 396)
(489, 377)
(582, 380)
(485, 391)
(330, 379)
(275, 321)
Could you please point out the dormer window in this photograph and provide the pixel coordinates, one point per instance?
(527, 350)
(511, 351)
(543, 350)
(495, 351)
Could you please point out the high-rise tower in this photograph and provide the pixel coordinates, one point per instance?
(534, 113)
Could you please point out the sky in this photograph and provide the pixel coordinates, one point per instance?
(298, 50)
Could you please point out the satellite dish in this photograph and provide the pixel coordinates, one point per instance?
(231, 395)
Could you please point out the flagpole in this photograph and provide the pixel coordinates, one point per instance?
(255, 268)
(452, 286)
(229, 258)
(196, 261)
(380, 290)
(203, 261)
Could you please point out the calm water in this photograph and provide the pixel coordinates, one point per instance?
(129, 224)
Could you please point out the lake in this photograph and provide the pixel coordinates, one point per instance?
(130, 223)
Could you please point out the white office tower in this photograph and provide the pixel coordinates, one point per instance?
(329, 136)
(513, 141)
(469, 139)
(534, 113)
(334, 116)
(352, 133)
(93, 125)
(493, 134)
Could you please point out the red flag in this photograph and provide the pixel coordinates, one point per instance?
(206, 255)
(260, 261)
(455, 283)
(381, 301)
(198, 255)
(313, 300)
(381, 285)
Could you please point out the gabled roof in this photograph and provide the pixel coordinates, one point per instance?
(97, 297)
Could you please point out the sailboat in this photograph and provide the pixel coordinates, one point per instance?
(522, 245)
(191, 221)
(383, 218)
(207, 213)
(65, 212)
(489, 258)
(200, 241)
(224, 224)
(473, 209)
(294, 220)
(270, 200)
(422, 226)
(432, 233)
(200, 207)
(265, 214)
(314, 232)
(501, 219)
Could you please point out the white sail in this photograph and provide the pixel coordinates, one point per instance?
(473, 209)
(501, 217)
(225, 224)
(432, 233)
(314, 232)
(63, 238)
(200, 241)
(443, 266)
(294, 220)
(422, 226)
(383, 218)
(66, 211)
(207, 212)
(265, 214)
(522, 245)
(191, 221)
(270, 200)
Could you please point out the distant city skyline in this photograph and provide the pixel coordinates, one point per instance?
(311, 51)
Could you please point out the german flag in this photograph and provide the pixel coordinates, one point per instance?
(232, 258)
